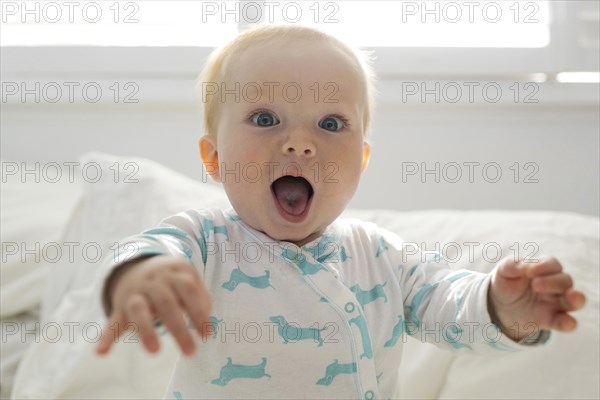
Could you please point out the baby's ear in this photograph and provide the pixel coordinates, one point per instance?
(210, 156)
(366, 155)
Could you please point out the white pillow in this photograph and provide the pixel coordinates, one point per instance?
(110, 211)
(567, 366)
(33, 216)
(117, 205)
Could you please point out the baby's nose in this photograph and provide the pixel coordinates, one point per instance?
(300, 144)
(306, 150)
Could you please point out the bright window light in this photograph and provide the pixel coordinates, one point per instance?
(521, 24)
(114, 23)
(578, 77)
(432, 23)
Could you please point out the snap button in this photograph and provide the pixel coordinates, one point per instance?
(369, 395)
(349, 307)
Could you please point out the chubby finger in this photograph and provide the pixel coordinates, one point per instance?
(169, 311)
(196, 301)
(564, 322)
(138, 312)
(508, 268)
(114, 329)
(572, 300)
(546, 266)
(552, 284)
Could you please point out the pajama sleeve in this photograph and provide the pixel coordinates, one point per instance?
(180, 236)
(448, 307)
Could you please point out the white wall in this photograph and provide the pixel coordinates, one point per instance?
(561, 142)
(559, 136)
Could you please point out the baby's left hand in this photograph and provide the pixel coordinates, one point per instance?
(525, 296)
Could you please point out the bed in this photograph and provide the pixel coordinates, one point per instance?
(51, 317)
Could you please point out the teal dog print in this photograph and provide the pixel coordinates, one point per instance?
(454, 331)
(367, 296)
(343, 255)
(397, 331)
(328, 250)
(290, 333)
(214, 325)
(168, 231)
(300, 260)
(208, 227)
(334, 369)
(381, 247)
(451, 333)
(173, 232)
(413, 269)
(232, 371)
(322, 250)
(410, 310)
(432, 256)
(237, 277)
(234, 217)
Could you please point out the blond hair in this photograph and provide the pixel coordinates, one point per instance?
(215, 68)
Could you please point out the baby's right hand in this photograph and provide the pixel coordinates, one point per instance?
(159, 286)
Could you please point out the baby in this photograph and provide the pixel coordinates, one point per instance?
(279, 296)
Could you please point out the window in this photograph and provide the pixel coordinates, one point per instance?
(442, 38)
(429, 24)
(114, 23)
(207, 23)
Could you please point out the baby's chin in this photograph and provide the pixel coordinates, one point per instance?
(299, 236)
(301, 242)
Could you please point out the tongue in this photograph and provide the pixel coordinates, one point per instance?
(292, 194)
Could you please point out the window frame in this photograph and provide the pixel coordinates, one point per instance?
(182, 63)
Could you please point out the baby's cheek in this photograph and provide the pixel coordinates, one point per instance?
(350, 172)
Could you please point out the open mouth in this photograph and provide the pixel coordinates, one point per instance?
(293, 195)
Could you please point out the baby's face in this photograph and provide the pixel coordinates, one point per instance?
(290, 161)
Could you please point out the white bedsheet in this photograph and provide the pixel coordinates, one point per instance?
(33, 216)
(565, 368)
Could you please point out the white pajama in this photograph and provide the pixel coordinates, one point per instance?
(325, 320)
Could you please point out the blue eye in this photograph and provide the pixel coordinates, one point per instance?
(333, 124)
(264, 119)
